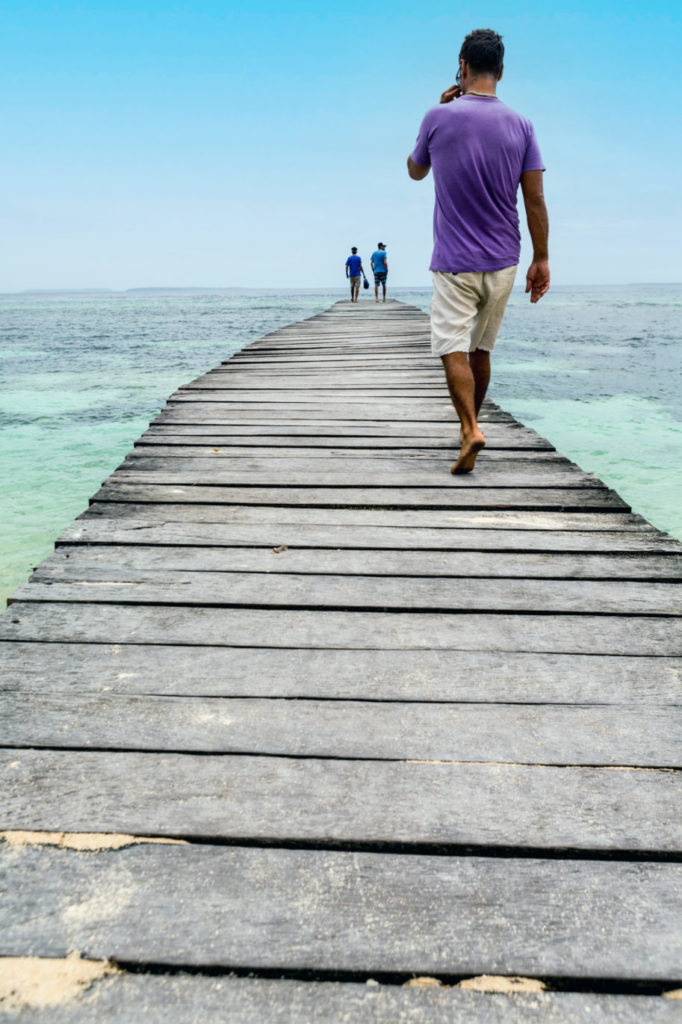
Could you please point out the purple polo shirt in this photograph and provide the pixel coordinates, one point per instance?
(478, 148)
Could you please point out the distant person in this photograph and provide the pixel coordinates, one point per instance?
(379, 263)
(354, 270)
(480, 151)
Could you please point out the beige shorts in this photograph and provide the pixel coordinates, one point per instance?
(467, 309)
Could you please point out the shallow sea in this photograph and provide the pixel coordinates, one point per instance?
(596, 370)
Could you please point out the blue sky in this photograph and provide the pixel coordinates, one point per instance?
(252, 144)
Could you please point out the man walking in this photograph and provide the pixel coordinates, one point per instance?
(379, 263)
(480, 151)
(354, 269)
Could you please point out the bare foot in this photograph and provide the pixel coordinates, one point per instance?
(471, 446)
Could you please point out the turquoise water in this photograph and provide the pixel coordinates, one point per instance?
(596, 370)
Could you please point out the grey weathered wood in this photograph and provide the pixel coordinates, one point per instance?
(272, 534)
(421, 397)
(376, 338)
(144, 624)
(406, 340)
(401, 361)
(184, 436)
(359, 472)
(378, 675)
(520, 734)
(284, 799)
(408, 411)
(343, 456)
(343, 430)
(301, 909)
(331, 359)
(70, 560)
(226, 377)
(334, 365)
(167, 502)
(282, 381)
(156, 999)
(302, 394)
(309, 590)
(187, 417)
(462, 496)
(240, 435)
(461, 728)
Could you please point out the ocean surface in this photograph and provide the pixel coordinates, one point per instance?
(597, 370)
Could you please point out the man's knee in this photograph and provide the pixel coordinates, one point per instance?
(454, 359)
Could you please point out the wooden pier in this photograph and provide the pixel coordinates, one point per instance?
(293, 716)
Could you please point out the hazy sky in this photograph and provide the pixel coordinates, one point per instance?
(242, 144)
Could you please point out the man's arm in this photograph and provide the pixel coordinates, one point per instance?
(537, 277)
(416, 171)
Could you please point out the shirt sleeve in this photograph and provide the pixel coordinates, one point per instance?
(420, 153)
(532, 160)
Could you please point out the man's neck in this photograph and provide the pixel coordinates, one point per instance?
(482, 87)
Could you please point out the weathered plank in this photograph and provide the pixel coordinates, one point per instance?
(559, 499)
(144, 624)
(371, 593)
(272, 534)
(258, 377)
(173, 503)
(156, 999)
(186, 436)
(294, 800)
(379, 675)
(260, 436)
(517, 734)
(422, 398)
(303, 394)
(70, 559)
(172, 417)
(283, 381)
(314, 910)
(410, 339)
(190, 410)
(342, 430)
(332, 359)
(344, 456)
(358, 472)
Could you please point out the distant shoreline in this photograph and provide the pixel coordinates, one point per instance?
(291, 290)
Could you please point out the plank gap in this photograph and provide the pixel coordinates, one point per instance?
(644, 987)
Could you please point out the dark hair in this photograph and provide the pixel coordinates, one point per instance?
(483, 50)
(354, 249)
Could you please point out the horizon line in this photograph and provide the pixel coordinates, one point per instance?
(292, 290)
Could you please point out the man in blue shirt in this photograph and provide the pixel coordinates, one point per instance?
(380, 270)
(353, 270)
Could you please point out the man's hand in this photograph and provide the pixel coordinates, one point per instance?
(453, 93)
(537, 279)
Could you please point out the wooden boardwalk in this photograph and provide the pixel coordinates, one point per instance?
(400, 723)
